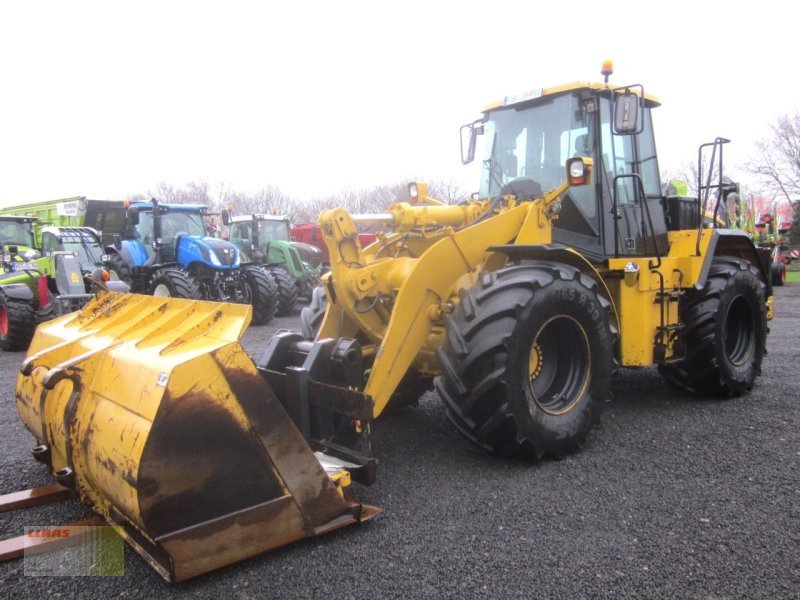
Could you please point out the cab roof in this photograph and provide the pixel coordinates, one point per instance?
(534, 94)
(189, 208)
(258, 217)
(16, 219)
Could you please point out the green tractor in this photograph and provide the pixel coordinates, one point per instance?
(39, 282)
(264, 240)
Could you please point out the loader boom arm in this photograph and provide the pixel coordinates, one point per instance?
(398, 302)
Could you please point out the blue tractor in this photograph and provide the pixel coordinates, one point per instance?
(164, 251)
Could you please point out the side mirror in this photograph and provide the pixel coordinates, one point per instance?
(226, 216)
(132, 216)
(469, 137)
(626, 113)
(13, 249)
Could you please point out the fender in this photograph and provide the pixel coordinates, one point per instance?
(123, 252)
(519, 252)
(736, 243)
(17, 291)
(133, 252)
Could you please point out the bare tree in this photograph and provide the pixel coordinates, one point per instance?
(448, 191)
(777, 164)
(268, 200)
(272, 200)
(197, 191)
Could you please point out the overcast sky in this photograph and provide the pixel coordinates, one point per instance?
(104, 99)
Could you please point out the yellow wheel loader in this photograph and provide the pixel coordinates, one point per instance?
(518, 307)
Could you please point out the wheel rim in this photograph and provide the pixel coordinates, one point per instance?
(162, 291)
(739, 331)
(3, 321)
(559, 365)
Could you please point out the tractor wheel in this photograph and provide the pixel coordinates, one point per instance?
(17, 324)
(172, 283)
(262, 292)
(527, 360)
(311, 316)
(119, 270)
(287, 290)
(724, 333)
(778, 274)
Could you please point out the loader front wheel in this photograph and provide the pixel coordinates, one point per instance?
(724, 333)
(287, 290)
(17, 324)
(527, 360)
(263, 294)
(172, 283)
(311, 316)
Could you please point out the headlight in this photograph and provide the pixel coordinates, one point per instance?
(579, 171)
(212, 256)
(31, 254)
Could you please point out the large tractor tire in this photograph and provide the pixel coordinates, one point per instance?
(119, 270)
(527, 360)
(287, 290)
(778, 274)
(263, 294)
(17, 324)
(172, 283)
(724, 333)
(311, 316)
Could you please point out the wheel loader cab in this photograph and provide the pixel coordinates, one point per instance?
(527, 144)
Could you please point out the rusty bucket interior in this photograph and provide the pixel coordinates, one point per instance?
(152, 411)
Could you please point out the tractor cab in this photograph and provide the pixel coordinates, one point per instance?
(253, 235)
(528, 139)
(82, 242)
(157, 227)
(17, 240)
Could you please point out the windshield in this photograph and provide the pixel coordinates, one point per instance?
(272, 231)
(89, 254)
(20, 234)
(268, 231)
(533, 143)
(173, 224)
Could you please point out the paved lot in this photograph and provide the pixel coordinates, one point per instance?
(672, 497)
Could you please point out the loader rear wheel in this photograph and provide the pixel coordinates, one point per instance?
(311, 316)
(171, 283)
(263, 294)
(287, 290)
(725, 331)
(527, 360)
(17, 324)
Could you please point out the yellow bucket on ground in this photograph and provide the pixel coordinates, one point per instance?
(152, 410)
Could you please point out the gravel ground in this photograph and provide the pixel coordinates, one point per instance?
(672, 497)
